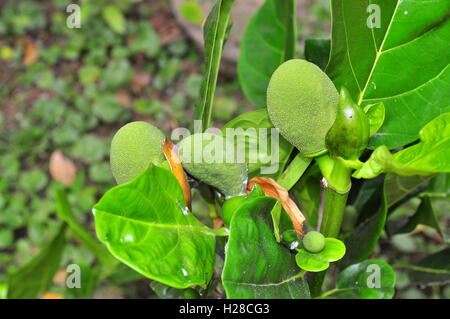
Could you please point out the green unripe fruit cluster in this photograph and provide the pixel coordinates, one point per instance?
(211, 159)
(133, 148)
(314, 242)
(302, 103)
(349, 135)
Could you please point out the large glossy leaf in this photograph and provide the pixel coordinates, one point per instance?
(268, 41)
(431, 155)
(431, 270)
(215, 31)
(370, 279)
(32, 279)
(402, 62)
(256, 266)
(64, 212)
(250, 127)
(146, 225)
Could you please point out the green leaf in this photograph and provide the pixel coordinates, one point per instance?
(431, 270)
(256, 266)
(64, 212)
(397, 187)
(269, 40)
(423, 216)
(375, 113)
(35, 277)
(430, 155)
(317, 51)
(191, 11)
(215, 31)
(114, 18)
(146, 225)
(370, 279)
(315, 262)
(402, 62)
(261, 159)
(439, 187)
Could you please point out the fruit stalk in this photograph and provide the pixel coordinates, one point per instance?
(333, 213)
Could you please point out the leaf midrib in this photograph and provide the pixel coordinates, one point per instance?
(203, 230)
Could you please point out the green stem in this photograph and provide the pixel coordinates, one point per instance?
(336, 194)
(333, 212)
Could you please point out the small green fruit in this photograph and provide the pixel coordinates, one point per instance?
(302, 103)
(349, 135)
(314, 242)
(134, 147)
(230, 207)
(211, 159)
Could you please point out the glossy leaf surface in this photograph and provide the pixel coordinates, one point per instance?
(429, 156)
(385, 51)
(146, 225)
(268, 41)
(370, 279)
(256, 265)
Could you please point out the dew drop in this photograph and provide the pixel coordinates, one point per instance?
(128, 238)
(294, 245)
(406, 12)
(185, 274)
(184, 210)
(374, 85)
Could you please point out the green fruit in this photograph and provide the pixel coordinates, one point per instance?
(314, 242)
(349, 135)
(212, 159)
(302, 103)
(230, 207)
(134, 147)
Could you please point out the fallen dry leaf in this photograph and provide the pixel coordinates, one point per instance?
(275, 190)
(62, 168)
(140, 80)
(124, 98)
(171, 155)
(30, 53)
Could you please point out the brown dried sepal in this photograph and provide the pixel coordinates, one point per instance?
(272, 189)
(172, 158)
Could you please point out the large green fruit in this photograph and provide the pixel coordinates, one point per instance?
(212, 159)
(302, 103)
(349, 135)
(134, 147)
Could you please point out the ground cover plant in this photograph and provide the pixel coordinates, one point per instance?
(346, 152)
